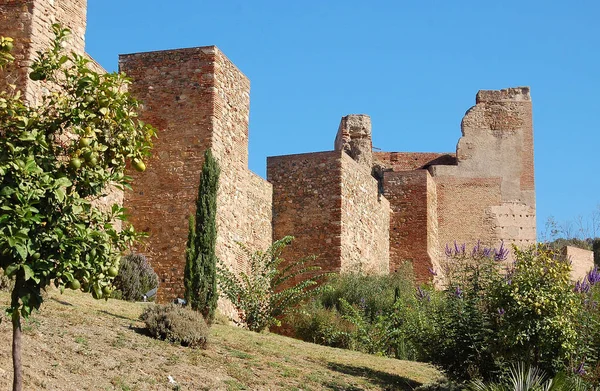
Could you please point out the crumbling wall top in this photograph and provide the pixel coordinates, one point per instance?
(508, 94)
(354, 138)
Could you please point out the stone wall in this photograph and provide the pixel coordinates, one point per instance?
(489, 194)
(365, 235)
(582, 261)
(465, 210)
(197, 99)
(406, 161)
(412, 197)
(307, 204)
(29, 23)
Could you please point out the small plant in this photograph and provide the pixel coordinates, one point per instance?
(135, 278)
(261, 296)
(523, 378)
(176, 324)
(324, 326)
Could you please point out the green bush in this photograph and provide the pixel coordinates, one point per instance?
(271, 288)
(316, 324)
(374, 294)
(539, 310)
(359, 312)
(452, 328)
(135, 278)
(176, 324)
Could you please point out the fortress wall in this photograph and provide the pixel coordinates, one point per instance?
(407, 192)
(582, 261)
(197, 99)
(465, 210)
(307, 204)
(365, 238)
(406, 161)
(496, 145)
(260, 212)
(178, 94)
(29, 23)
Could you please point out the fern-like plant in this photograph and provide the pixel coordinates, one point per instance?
(271, 287)
(524, 378)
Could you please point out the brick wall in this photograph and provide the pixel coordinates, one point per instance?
(406, 161)
(307, 204)
(198, 100)
(365, 238)
(465, 210)
(29, 23)
(411, 228)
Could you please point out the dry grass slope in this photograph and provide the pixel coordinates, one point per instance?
(78, 343)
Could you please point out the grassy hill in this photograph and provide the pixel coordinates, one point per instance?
(78, 343)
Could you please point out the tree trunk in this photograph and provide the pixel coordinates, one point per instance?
(16, 352)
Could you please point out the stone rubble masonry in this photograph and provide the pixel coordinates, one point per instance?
(490, 192)
(354, 138)
(198, 100)
(483, 192)
(365, 234)
(307, 204)
(582, 261)
(29, 23)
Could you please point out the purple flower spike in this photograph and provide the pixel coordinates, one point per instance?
(582, 287)
(458, 292)
(423, 294)
(463, 249)
(501, 311)
(593, 277)
(580, 369)
(456, 250)
(487, 252)
(501, 254)
(433, 272)
(448, 251)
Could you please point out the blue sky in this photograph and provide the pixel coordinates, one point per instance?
(413, 66)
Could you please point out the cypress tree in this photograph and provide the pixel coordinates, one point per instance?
(200, 277)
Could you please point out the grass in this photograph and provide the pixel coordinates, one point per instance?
(78, 343)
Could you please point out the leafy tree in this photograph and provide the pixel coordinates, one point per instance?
(200, 278)
(57, 159)
(539, 310)
(261, 296)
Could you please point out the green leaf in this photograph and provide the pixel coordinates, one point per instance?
(12, 269)
(60, 194)
(22, 250)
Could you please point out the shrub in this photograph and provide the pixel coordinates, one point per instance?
(176, 324)
(374, 294)
(538, 310)
(136, 277)
(269, 290)
(359, 312)
(314, 323)
(452, 328)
